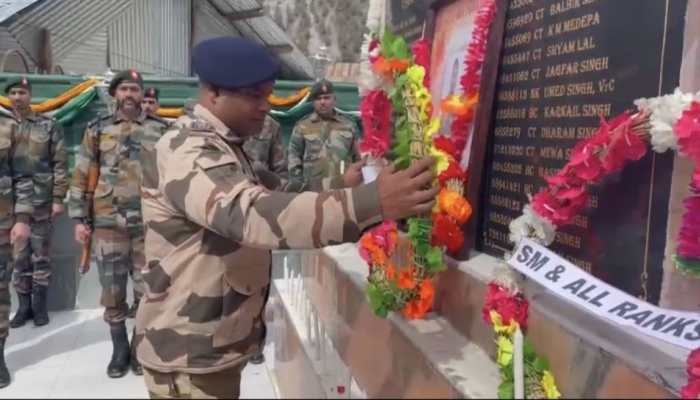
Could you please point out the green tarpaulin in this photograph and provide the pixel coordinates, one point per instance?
(174, 92)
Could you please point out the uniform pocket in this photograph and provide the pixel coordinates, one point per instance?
(109, 154)
(313, 147)
(39, 144)
(103, 202)
(43, 188)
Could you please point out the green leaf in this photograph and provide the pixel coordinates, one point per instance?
(400, 49)
(541, 364)
(434, 260)
(387, 44)
(528, 350)
(506, 390)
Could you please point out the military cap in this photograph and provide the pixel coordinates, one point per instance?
(321, 87)
(151, 92)
(17, 81)
(230, 63)
(130, 75)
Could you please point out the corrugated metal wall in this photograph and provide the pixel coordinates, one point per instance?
(208, 23)
(152, 36)
(88, 58)
(70, 22)
(13, 62)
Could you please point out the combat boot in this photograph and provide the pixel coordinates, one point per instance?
(136, 367)
(24, 311)
(4, 373)
(119, 364)
(41, 316)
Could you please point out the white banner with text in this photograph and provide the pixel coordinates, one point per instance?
(575, 285)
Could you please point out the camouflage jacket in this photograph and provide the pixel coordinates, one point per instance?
(266, 150)
(115, 143)
(209, 230)
(319, 146)
(40, 149)
(16, 185)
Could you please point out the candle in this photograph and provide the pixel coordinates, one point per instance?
(518, 364)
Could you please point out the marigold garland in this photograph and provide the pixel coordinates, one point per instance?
(409, 288)
(290, 100)
(506, 310)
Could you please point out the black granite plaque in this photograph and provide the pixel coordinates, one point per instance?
(407, 17)
(563, 64)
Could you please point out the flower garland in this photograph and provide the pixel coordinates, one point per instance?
(58, 101)
(402, 71)
(506, 310)
(290, 100)
(670, 122)
(463, 106)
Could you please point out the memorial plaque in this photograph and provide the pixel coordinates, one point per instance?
(407, 17)
(563, 65)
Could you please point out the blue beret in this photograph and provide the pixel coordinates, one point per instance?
(230, 62)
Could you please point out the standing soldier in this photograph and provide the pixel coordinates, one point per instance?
(112, 145)
(16, 192)
(150, 102)
(211, 226)
(39, 149)
(324, 143)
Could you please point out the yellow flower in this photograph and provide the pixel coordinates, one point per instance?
(499, 327)
(549, 386)
(504, 355)
(415, 74)
(442, 160)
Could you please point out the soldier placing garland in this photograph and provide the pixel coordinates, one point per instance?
(210, 225)
(112, 145)
(38, 148)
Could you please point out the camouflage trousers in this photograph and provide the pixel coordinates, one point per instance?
(224, 384)
(5, 275)
(118, 253)
(32, 262)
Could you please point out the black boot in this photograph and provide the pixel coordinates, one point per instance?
(41, 316)
(24, 311)
(136, 367)
(4, 373)
(119, 364)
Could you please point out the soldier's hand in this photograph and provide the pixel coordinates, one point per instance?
(407, 193)
(353, 176)
(19, 233)
(82, 233)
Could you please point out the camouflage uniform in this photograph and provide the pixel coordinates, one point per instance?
(16, 193)
(266, 150)
(39, 149)
(118, 235)
(317, 148)
(209, 230)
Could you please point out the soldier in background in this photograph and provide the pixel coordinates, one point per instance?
(40, 149)
(113, 143)
(16, 193)
(150, 103)
(211, 226)
(324, 143)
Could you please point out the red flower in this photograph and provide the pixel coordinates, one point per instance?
(445, 144)
(687, 130)
(693, 363)
(691, 390)
(560, 209)
(689, 234)
(421, 56)
(453, 171)
(375, 109)
(510, 307)
(446, 233)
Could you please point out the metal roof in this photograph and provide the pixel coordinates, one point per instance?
(9, 8)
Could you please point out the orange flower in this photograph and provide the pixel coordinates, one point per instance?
(454, 205)
(391, 272)
(406, 279)
(412, 310)
(459, 105)
(388, 67)
(427, 291)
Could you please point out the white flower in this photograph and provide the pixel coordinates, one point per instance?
(532, 226)
(665, 111)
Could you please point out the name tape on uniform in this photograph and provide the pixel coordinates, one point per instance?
(575, 285)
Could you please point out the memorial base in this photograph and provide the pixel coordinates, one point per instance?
(325, 337)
